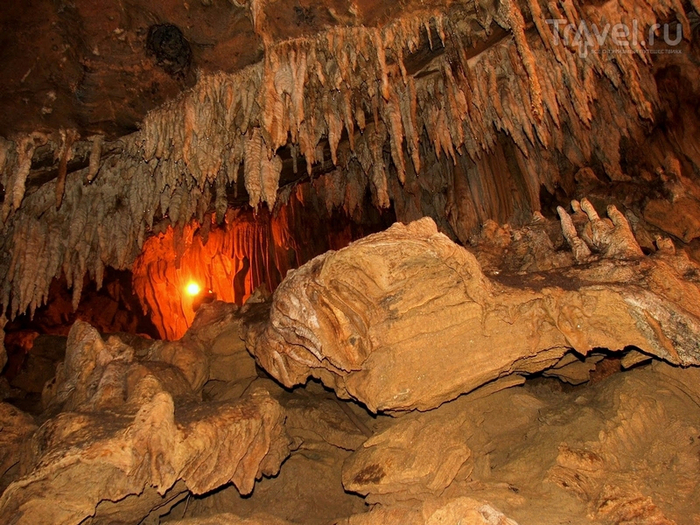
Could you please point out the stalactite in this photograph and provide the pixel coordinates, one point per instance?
(696, 5)
(244, 252)
(95, 154)
(65, 153)
(15, 184)
(516, 24)
(550, 100)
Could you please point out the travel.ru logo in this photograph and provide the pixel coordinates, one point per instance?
(623, 37)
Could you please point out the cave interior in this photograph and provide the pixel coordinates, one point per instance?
(350, 262)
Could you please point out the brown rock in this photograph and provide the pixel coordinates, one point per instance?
(187, 356)
(34, 374)
(131, 432)
(572, 369)
(637, 462)
(231, 519)
(211, 349)
(308, 488)
(229, 359)
(679, 213)
(15, 429)
(462, 510)
(316, 417)
(104, 374)
(422, 453)
(80, 459)
(680, 218)
(406, 319)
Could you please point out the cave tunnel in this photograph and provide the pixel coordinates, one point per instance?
(350, 262)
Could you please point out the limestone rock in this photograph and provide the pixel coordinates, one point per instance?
(104, 374)
(406, 319)
(229, 359)
(116, 455)
(679, 213)
(35, 372)
(308, 488)
(679, 218)
(573, 369)
(127, 436)
(434, 512)
(15, 429)
(638, 462)
(192, 354)
(623, 450)
(187, 356)
(315, 417)
(231, 519)
(422, 453)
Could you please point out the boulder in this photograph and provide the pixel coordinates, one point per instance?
(406, 319)
(422, 453)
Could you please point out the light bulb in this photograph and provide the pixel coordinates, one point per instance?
(192, 288)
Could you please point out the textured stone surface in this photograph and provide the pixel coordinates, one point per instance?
(231, 519)
(434, 512)
(622, 450)
(420, 454)
(15, 428)
(123, 426)
(3, 353)
(406, 319)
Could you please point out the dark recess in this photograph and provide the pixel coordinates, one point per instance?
(170, 48)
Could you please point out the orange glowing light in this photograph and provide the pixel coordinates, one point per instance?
(192, 289)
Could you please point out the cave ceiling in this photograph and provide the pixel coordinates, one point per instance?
(88, 65)
(123, 119)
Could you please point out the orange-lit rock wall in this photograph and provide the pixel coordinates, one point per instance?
(234, 258)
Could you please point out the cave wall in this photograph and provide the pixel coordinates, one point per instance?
(246, 251)
(461, 112)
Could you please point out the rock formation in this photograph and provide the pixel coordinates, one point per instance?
(461, 146)
(404, 262)
(147, 430)
(407, 319)
(134, 434)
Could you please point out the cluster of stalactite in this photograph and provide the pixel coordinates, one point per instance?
(471, 132)
(228, 262)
